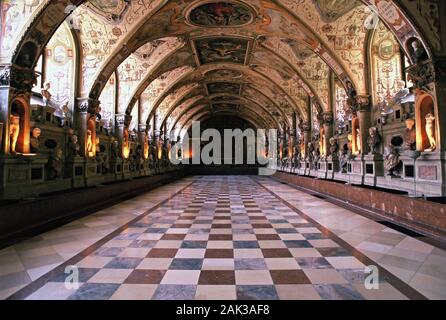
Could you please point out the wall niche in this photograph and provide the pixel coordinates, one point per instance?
(425, 106)
(19, 121)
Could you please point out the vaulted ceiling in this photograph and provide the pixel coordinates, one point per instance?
(262, 59)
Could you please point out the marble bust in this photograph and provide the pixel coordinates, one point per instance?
(410, 136)
(34, 140)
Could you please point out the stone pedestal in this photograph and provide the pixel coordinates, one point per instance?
(116, 168)
(430, 173)
(340, 176)
(302, 168)
(374, 167)
(126, 173)
(75, 170)
(19, 174)
(145, 168)
(322, 169)
(356, 169)
(395, 182)
(92, 177)
(306, 168)
(332, 167)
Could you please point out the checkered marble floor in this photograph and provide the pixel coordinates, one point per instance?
(220, 238)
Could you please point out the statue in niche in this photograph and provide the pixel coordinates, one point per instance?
(55, 164)
(418, 54)
(323, 141)
(358, 141)
(392, 160)
(34, 140)
(89, 145)
(343, 158)
(334, 148)
(146, 146)
(410, 136)
(14, 131)
(350, 143)
(430, 130)
(374, 140)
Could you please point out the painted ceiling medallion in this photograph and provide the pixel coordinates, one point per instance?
(332, 10)
(224, 87)
(223, 98)
(111, 10)
(221, 14)
(224, 73)
(225, 105)
(220, 50)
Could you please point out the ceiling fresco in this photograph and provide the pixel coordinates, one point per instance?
(111, 10)
(224, 50)
(102, 27)
(224, 87)
(221, 14)
(15, 15)
(278, 53)
(332, 10)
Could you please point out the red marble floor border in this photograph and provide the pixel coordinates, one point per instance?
(40, 282)
(400, 285)
(424, 216)
(373, 214)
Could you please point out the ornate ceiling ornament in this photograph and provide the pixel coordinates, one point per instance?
(222, 50)
(220, 14)
(110, 10)
(224, 73)
(332, 10)
(224, 87)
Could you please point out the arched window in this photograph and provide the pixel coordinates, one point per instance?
(341, 107)
(108, 98)
(130, 74)
(314, 118)
(57, 67)
(135, 120)
(386, 64)
(145, 105)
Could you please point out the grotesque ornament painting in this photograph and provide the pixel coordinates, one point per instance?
(112, 10)
(332, 10)
(220, 14)
(221, 50)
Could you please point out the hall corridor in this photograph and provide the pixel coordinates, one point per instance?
(223, 238)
